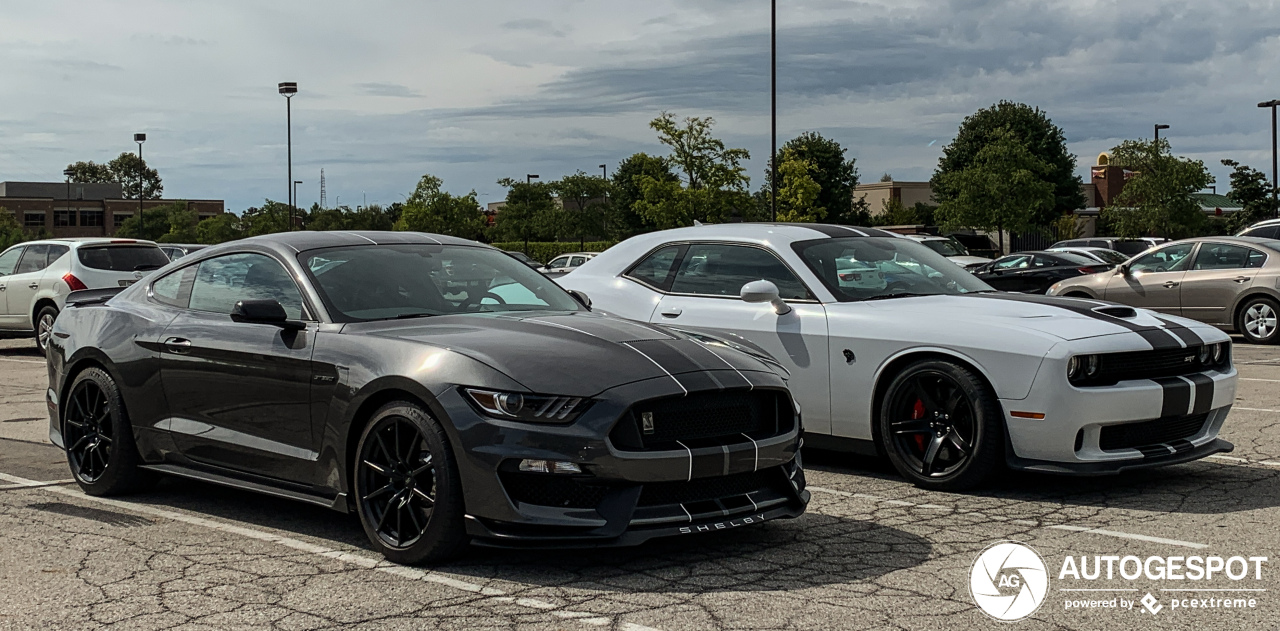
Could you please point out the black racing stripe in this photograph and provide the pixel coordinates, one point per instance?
(1177, 396)
(1158, 338)
(826, 229)
(668, 355)
(1188, 337)
(876, 232)
(1204, 393)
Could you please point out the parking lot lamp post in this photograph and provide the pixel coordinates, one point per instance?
(68, 173)
(288, 89)
(1158, 128)
(1272, 104)
(773, 109)
(295, 201)
(529, 178)
(604, 171)
(142, 172)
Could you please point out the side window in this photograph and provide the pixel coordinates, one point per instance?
(175, 287)
(1221, 256)
(1256, 259)
(1041, 260)
(9, 260)
(34, 259)
(562, 261)
(221, 282)
(1096, 243)
(722, 270)
(1012, 262)
(1264, 232)
(655, 269)
(55, 253)
(1171, 259)
(577, 260)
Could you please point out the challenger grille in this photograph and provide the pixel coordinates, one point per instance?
(1161, 430)
(1114, 367)
(704, 419)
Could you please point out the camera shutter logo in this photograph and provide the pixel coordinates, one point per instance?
(1008, 581)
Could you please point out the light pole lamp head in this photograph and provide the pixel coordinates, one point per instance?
(1272, 103)
(68, 173)
(288, 88)
(139, 137)
(297, 181)
(1162, 126)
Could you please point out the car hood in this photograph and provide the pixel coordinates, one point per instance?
(1062, 318)
(573, 354)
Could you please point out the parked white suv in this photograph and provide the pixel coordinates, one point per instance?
(36, 276)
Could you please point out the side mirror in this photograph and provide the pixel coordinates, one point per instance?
(1122, 269)
(764, 291)
(581, 297)
(263, 312)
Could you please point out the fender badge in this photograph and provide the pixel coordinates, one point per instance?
(646, 422)
(849, 357)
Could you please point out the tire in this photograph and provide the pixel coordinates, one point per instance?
(407, 491)
(1259, 320)
(99, 437)
(44, 328)
(941, 426)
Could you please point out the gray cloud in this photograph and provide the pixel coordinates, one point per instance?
(388, 89)
(534, 25)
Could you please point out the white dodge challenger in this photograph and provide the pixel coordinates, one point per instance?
(895, 350)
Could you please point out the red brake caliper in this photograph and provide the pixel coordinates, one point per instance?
(917, 412)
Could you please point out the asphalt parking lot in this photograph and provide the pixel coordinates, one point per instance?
(872, 553)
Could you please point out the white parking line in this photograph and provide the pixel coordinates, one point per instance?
(351, 558)
(22, 361)
(1020, 522)
(1236, 407)
(1257, 379)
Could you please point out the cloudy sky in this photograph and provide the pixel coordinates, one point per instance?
(479, 90)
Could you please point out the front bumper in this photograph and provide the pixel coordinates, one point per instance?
(1132, 424)
(623, 497)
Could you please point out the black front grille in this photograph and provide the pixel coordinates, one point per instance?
(1161, 430)
(703, 419)
(705, 489)
(1114, 367)
(552, 490)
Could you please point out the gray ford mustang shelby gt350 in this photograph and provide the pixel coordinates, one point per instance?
(437, 387)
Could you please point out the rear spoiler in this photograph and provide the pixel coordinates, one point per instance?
(92, 296)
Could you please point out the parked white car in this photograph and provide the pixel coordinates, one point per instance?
(36, 276)
(948, 378)
(566, 263)
(950, 248)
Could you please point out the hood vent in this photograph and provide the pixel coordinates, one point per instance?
(1118, 311)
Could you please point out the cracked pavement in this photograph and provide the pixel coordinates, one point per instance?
(871, 553)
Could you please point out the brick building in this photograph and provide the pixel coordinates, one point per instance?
(83, 210)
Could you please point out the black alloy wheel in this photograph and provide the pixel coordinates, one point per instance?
(98, 437)
(406, 484)
(941, 426)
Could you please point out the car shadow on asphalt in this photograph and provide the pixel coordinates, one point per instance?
(1207, 486)
(813, 550)
(22, 352)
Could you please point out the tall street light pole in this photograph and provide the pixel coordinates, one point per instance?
(295, 201)
(1158, 128)
(142, 172)
(773, 94)
(68, 173)
(604, 171)
(288, 89)
(1272, 104)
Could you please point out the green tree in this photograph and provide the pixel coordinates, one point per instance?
(12, 232)
(626, 191)
(431, 210)
(127, 169)
(799, 194)
(1157, 200)
(1029, 127)
(1250, 189)
(270, 218)
(219, 229)
(182, 224)
(1004, 187)
(835, 175)
(524, 217)
(153, 225)
(586, 202)
(714, 181)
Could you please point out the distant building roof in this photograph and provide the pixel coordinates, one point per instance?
(1211, 202)
(60, 190)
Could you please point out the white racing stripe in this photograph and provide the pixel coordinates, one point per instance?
(351, 558)
(1019, 522)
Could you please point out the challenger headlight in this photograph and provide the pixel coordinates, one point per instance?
(1206, 354)
(534, 408)
(1082, 367)
(1221, 353)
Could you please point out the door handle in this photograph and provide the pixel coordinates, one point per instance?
(177, 345)
(673, 312)
(1241, 279)
(34, 286)
(1170, 284)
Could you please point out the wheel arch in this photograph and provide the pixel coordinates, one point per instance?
(372, 397)
(895, 364)
(40, 303)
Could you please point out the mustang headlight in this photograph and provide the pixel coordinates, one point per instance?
(534, 408)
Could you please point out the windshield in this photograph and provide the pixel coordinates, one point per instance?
(947, 247)
(398, 281)
(1131, 247)
(901, 267)
(1073, 258)
(1109, 256)
(123, 258)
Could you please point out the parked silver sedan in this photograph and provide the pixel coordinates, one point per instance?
(1232, 283)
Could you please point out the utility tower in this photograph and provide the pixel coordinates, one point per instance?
(324, 202)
